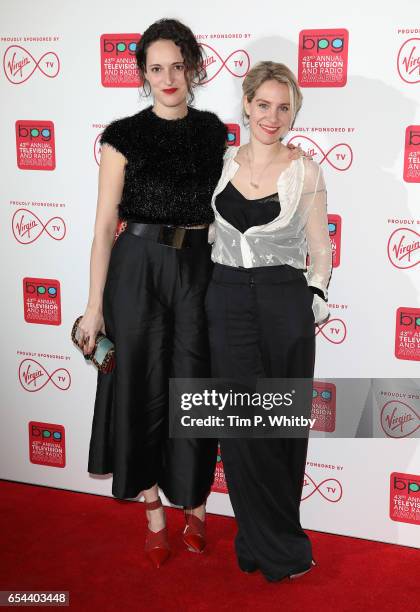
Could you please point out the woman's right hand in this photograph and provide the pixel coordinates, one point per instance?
(89, 325)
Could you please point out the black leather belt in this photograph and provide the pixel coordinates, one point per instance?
(169, 235)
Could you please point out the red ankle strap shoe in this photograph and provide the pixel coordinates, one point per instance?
(194, 534)
(156, 546)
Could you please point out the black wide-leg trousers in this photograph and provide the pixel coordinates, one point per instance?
(153, 306)
(261, 325)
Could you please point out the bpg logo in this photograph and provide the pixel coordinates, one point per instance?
(408, 61)
(48, 434)
(233, 135)
(44, 288)
(35, 145)
(409, 320)
(404, 498)
(118, 61)
(323, 42)
(407, 334)
(219, 484)
(412, 154)
(413, 135)
(42, 301)
(33, 132)
(119, 45)
(323, 56)
(47, 444)
(324, 406)
(406, 483)
(334, 230)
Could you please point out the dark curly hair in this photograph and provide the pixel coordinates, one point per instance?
(182, 36)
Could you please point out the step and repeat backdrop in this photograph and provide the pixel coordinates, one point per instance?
(68, 69)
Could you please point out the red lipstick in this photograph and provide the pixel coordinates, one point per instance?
(171, 90)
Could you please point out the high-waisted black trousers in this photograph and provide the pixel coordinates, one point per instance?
(153, 306)
(261, 325)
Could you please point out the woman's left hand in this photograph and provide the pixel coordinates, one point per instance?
(296, 151)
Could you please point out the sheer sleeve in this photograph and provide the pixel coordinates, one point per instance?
(317, 235)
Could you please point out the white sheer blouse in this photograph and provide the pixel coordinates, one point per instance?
(301, 228)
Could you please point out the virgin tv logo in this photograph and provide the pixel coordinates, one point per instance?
(33, 376)
(403, 248)
(333, 330)
(339, 156)
(27, 227)
(330, 489)
(408, 61)
(399, 420)
(19, 64)
(237, 63)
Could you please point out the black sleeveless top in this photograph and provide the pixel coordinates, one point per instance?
(243, 213)
(173, 165)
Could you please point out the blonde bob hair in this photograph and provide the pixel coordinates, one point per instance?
(272, 71)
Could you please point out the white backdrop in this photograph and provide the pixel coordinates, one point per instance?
(363, 127)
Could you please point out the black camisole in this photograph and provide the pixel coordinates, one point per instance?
(243, 213)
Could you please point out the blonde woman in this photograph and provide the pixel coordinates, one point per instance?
(261, 310)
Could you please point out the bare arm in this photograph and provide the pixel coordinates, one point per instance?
(110, 186)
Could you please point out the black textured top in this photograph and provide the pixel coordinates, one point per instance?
(243, 213)
(172, 168)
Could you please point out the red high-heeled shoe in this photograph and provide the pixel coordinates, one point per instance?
(156, 546)
(194, 534)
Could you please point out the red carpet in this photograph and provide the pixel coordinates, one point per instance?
(92, 546)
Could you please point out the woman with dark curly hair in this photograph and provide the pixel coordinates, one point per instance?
(158, 171)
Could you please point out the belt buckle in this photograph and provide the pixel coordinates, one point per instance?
(172, 236)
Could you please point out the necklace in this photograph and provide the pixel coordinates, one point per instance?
(251, 181)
